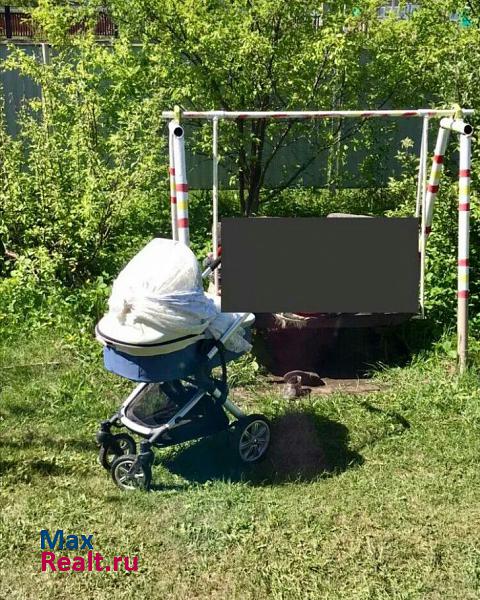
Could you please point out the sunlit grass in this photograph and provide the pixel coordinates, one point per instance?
(368, 496)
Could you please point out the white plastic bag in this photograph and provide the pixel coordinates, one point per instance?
(159, 294)
(161, 288)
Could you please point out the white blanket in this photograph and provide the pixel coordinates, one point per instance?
(159, 294)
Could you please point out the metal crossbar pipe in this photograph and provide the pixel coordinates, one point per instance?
(317, 114)
(457, 125)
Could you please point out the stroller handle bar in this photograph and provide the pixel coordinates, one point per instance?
(216, 263)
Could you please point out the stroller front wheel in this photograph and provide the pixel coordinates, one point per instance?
(130, 473)
(118, 445)
(252, 435)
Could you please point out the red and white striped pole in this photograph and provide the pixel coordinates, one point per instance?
(437, 168)
(171, 173)
(465, 130)
(181, 185)
(463, 248)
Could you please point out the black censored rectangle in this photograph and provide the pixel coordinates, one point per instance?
(314, 265)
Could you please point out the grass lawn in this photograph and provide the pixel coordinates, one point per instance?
(373, 497)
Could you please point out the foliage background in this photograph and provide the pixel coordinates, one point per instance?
(84, 186)
(388, 509)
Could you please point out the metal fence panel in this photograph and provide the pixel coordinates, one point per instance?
(348, 172)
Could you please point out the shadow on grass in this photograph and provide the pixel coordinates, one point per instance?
(41, 467)
(396, 418)
(30, 440)
(304, 446)
(19, 410)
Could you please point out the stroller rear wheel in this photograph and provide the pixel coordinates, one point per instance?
(252, 438)
(130, 473)
(118, 445)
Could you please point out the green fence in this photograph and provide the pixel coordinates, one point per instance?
(364, 156)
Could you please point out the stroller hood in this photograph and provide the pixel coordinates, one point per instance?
(158, 297)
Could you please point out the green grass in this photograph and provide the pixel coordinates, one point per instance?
(363, 497)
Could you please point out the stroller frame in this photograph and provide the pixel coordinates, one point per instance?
(130, 470)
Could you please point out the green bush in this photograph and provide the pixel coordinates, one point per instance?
(84, 185)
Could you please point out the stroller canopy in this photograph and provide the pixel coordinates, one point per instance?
(159, 297)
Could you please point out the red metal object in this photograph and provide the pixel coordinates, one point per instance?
(104, 27)
(15, 24)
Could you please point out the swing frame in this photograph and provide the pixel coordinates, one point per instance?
(451, 120)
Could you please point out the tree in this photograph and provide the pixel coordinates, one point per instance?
(92, 156)
(255, 55)
(86, 166)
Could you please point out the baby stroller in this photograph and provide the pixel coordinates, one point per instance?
(165, 333)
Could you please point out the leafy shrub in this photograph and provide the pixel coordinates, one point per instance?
(83, 186)
(442, 244)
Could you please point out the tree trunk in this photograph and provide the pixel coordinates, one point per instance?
(256, 166)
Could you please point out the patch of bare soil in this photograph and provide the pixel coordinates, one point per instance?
(330, 386)
(349, 386)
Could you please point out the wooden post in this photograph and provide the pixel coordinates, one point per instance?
(8, 23)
